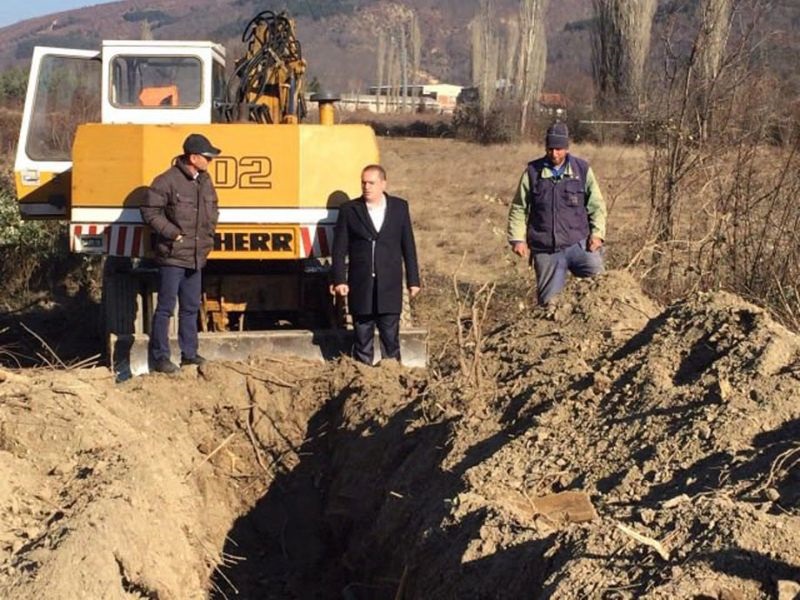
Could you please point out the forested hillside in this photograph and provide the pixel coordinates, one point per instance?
(340, 36)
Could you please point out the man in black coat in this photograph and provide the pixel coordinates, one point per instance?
(182, 209)
(374, 232)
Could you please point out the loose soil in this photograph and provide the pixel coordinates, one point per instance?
(277, 478)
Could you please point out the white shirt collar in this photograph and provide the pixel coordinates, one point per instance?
(379, 206)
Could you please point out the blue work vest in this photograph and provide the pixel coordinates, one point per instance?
(557, 216)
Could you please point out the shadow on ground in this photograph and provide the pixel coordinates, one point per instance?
(364, 514)
(50, 332)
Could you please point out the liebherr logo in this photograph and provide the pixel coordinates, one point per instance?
(242, 241)
(243, 172)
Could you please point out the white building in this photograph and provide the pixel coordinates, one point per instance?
(443, 94)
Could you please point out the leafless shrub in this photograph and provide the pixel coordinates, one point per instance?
(719, 219)
(498, 125)
(9, 131)
(471, 314)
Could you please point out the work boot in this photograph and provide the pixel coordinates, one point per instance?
(195, 360)
(165, 365)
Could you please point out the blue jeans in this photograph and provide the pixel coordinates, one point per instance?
(185, 286)
(551, 269)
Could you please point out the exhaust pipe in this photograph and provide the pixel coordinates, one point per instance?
(326, 100)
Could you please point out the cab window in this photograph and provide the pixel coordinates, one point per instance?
(67, 94)
(156, 82)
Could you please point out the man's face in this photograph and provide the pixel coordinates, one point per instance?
(557, 156)
(372, 185)
(199, 162)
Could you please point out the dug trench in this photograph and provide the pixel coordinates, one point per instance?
(282, 479)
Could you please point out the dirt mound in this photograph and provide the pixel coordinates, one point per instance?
(283, 479)
(697, 409)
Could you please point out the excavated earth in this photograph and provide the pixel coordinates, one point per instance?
(282, 479)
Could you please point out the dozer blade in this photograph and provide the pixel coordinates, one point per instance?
(128, 353)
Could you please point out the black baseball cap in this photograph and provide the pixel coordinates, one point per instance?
(197, 143)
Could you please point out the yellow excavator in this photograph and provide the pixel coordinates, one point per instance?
(98, 126)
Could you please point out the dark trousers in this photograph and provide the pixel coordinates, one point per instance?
(388, 331)
(185, 286)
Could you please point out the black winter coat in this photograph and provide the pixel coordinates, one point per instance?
(179, 204)
(382, 253)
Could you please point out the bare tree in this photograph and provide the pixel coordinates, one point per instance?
(416, 55)
(146, 32)
(485, 51)
(712, 40)
(509, 50)
(394, 46)
(532, 61)
(620, 45)
(381, 67)
(393, 79)
(403, 52)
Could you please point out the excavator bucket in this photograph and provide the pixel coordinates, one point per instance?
(130, 298)
(128, 353)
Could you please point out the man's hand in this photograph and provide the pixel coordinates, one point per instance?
(594, 243)
(179, 238)
(413, 291)
(521, 249)
(339, 290)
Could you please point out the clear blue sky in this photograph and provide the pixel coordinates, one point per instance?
(13, 11)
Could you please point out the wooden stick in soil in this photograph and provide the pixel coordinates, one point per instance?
(778, 465)
(46, 346)
(401, 588)
(251, 391)
(643, 539)
(209, 456)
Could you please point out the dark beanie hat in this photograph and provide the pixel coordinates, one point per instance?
(557, 136)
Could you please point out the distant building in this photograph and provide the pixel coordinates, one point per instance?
(386, 104)
(443, 94)
(553, 104)
(550, 103)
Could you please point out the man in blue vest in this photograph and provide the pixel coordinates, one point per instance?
(557, 219)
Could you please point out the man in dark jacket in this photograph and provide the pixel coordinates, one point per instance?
(558, 217)
(374, 233)
(181, 207)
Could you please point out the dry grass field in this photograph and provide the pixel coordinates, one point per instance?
(460, 192)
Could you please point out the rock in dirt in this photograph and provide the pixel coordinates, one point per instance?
(788, 590)
(574, 507)
(728, 594)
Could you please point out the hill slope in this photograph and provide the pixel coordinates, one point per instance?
(339, 40)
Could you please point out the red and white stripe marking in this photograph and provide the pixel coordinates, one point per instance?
(316, 241)
(118, 240)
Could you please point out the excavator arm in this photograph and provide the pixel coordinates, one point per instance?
(267, 84)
